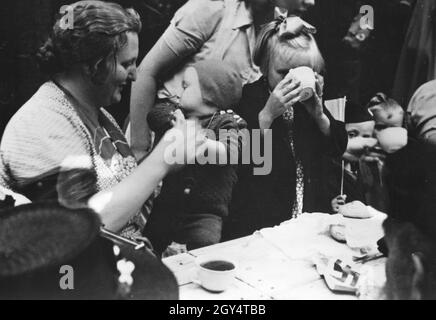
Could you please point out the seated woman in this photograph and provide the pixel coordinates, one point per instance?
(64, 128)
(301, 132)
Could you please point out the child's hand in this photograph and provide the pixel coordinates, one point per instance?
(374, 154)
(314, 104)
(185, 138)
(338, 202)
(358, 146)
(319, 84)
(283, 97)
(178, 119)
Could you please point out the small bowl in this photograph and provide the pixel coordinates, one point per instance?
(216, 273)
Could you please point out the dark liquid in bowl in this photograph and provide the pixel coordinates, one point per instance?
(218, 265)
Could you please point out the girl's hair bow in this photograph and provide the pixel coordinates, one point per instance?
(293, 26)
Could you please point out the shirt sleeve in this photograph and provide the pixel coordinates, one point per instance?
(422, 112)
(193, 25)
(336, 143)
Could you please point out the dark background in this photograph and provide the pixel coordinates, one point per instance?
(25, 24)
(360, 73)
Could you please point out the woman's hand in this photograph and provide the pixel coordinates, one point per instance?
(158, 61)
(117, 205)
(283, 97)
(182, 143)
(338, 202)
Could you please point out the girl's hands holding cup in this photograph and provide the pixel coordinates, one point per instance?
(283, 97)
(288, 92)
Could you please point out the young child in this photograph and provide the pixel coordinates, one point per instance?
(358, 178)
(302, 131)
(194, 201)
(368, 177)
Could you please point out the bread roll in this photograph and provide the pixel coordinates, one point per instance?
(337, 232)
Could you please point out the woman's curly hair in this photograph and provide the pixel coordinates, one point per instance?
(98, 32)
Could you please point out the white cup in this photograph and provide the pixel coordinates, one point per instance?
(215, 273)
(392, 139)
(306, 76)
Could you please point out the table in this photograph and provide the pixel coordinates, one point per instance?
(274, 263)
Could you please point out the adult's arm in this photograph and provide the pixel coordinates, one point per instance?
(144, 93)
(192, 26)
(119, 204)
(38, 142)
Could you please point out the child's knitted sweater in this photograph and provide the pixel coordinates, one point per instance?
(200, 188)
